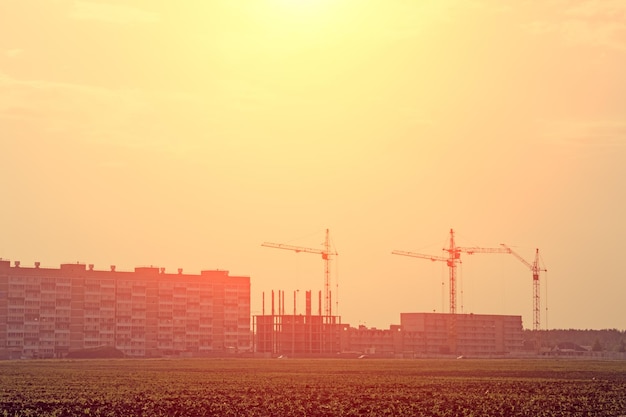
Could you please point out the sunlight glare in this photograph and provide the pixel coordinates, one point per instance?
(302, 8)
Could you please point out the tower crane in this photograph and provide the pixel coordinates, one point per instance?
(326, 253)
(536, 269)
(454, 257)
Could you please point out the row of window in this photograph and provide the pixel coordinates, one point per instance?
(138, 285)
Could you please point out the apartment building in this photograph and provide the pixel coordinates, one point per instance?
(467, 334)
(47, 312)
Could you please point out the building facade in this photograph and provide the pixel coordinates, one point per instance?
(462, 334)
(145, 313)
(432, 334)
(373, 341)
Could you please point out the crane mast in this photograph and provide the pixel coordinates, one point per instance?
(536, 269)
(454, 257)
(326, 253)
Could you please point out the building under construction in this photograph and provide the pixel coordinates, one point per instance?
(289, 333)
(310, 334)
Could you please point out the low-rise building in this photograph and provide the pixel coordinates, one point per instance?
(418, 334)
(465, 334)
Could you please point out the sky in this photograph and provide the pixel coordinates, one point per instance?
(186, 134)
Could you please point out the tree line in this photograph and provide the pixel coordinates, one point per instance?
(606, 340)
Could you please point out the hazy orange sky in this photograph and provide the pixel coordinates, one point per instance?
(185, 134)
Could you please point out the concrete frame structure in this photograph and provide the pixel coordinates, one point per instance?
(48, 312)
(299, 334)
(291, 334)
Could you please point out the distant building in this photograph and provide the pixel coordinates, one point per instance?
(146, 313)
(467, 334)
(373, 341)
(419, 334)
(432, 334)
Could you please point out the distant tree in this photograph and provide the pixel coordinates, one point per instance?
(622, 346)
(597, 346)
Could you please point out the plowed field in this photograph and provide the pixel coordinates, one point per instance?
(312, 387)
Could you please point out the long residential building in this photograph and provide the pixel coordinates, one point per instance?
(463, 334)
(46, 312)
(433, 334)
